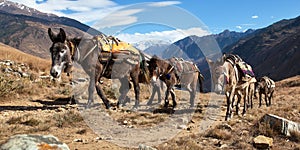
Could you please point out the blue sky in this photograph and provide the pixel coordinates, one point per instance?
(135, 20)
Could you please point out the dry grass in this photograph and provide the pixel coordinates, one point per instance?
(66, 119)
(219, 133)
(35, 63)
(25, 120)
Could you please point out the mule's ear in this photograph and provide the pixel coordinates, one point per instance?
(51, 35)
(210, 62)
(61, 35)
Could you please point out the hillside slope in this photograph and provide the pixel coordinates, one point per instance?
(30, 34)
(35, 63)
(273, 51)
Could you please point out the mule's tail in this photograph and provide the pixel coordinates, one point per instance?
(144, 72)
(200, 79)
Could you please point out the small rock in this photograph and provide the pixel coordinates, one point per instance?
(144, 147)
(7, 70)
(183, 127)
(125, 122)
(98, 138)
(262, 142)
(77, 140)
(224, 146)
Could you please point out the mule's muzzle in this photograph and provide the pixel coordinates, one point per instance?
(54, 73)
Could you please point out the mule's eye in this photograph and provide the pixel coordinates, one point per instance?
(65, 47)
(62, 51)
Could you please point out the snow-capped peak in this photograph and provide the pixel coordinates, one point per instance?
(142, 45)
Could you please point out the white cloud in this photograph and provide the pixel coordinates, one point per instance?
(171, 35)
(164, 3)
(239, 27)
(122, 17)
(84, 11)
(254, 17)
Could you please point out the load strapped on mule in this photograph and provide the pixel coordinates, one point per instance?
(241, 67)
(113, 48)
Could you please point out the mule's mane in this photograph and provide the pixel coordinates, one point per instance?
(75, 40)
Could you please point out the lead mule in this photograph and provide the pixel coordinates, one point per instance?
(96, 62)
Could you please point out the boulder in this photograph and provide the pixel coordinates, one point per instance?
(280, 124)
(262, 142)
(33, 142)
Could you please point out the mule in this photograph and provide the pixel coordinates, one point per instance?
(89, 53)
(187, 76)
(227, 78)
(265, 86)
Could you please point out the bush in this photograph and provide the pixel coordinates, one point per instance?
(9, 86)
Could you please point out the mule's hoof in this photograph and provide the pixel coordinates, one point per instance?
(88, 106)
(107, 106)
(166, 105)
(174, 106)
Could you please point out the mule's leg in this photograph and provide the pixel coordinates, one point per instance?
(270, 98)
(228, 102)
(260, 97)
(102, 95)
(152, 95)
(173, 97)
(167, 95)
(91, 92)
(192, 91)
(246, 92)
(158, 93)
(136, 87)
(230, 96)
(266, 99)
(155, 89)
(123, 90)
(250, 97)
(237, 106)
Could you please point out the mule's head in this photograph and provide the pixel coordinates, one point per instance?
(259, 85)
(153, 68)
(60, 53)
(218, 75)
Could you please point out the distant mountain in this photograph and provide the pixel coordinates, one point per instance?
(156, 49)
(195, 47)
(26, 28)
(273, 51)
(227, 37)
(16, 8)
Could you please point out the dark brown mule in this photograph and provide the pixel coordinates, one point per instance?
(188, 77)
(89, 54)
(265, 86)
(226, 77)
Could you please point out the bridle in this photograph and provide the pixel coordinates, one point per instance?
(75, 50)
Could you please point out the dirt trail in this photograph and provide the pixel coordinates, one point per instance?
(184, 128)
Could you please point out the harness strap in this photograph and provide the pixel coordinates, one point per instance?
(87, 54)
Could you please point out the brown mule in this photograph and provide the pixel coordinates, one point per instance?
(228, 79)
(97, 63)
(165, 70)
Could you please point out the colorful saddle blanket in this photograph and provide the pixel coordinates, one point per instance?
(242, 66)
(245, 68)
